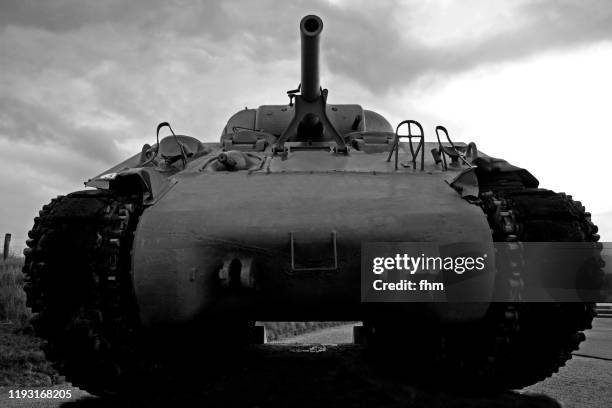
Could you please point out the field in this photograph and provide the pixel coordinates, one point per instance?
(280, 330)
(12, 297)
(21, 360)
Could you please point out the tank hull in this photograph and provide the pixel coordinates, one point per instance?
(273, 221)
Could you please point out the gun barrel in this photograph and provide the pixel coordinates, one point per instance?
(310, 28)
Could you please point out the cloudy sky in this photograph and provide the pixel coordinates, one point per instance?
(84, 83)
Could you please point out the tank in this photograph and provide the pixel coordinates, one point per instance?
(192, 242)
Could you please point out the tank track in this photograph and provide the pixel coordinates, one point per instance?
(78, 284)
(519, 344)
(534, 340)
(516, 344)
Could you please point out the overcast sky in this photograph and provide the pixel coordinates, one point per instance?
(83, 84)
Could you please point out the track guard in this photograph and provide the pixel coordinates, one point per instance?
(491, 172)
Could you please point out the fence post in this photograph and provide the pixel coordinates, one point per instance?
(7, 245)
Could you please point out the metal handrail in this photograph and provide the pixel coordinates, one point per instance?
(471, 148)
(414, 153)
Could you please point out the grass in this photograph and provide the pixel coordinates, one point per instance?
(12, 297)
(22, 362)
(280, 330)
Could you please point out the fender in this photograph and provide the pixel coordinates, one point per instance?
(143, 180)
(487, 171)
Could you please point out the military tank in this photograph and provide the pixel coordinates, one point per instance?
(195, 241)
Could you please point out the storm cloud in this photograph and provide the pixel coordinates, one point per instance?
(84, 83)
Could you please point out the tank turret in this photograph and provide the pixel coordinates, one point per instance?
(308, 121)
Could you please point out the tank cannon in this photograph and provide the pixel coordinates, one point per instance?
(310, 30)
(310, 124)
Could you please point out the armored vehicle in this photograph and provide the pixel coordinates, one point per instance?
(191, 240)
